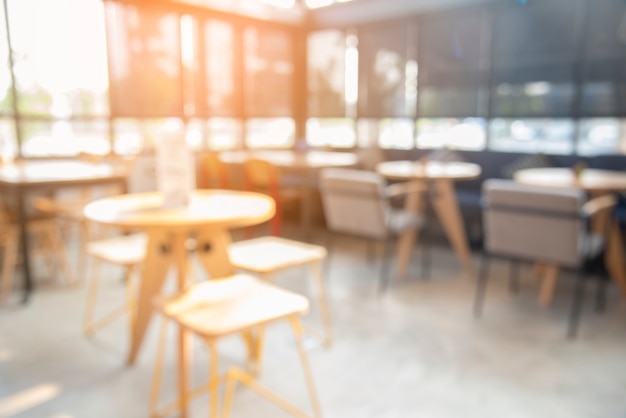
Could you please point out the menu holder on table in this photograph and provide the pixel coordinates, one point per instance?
(175, 169)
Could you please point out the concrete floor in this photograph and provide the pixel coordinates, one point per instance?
(416, 351)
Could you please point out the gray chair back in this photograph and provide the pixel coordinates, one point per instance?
(354, 202)
(533, 223)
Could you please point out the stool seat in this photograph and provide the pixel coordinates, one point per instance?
(266, 256)
(216, 308)
(270, 254)
(124, 250)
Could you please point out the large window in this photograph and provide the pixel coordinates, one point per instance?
(387, 71)
(604, 68)
(548, 136)
(602, 136)
(534, 54)
(454, 63)
(268, 72)
(144, 53)
(453, 133)
(332, 70)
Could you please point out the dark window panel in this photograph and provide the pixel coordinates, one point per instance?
(535, 33)
(453, 101)
(326, 54)
(219, 47)
(454, 42)
(268, 57)
(383, 55)
(606, 31)
(453, 68)
(534, 99)
(144, 54)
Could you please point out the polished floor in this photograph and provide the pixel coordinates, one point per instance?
(416, 351)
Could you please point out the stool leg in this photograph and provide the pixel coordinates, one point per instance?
(254, 345)
(92, 295)
(214, 381)
(155, 388)
(323, 302)
(183, 362)
(131, 296)
(297, 329)
(229, 392)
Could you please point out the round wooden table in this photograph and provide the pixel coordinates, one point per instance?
(440, 178)
(207, 218)
(305, 165)
(596, 183)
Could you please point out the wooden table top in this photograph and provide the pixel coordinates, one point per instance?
(218, 208)
(410, 170)
(293, 159)
(590, 179)
(60, 172)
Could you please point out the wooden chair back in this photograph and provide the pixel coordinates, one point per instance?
(212, 172)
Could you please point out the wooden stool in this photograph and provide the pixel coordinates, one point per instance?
(239, 304)
(267, 256)
(127, 251)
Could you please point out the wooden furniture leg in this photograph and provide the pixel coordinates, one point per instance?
(447, 209)
(212, 251)
(414, 203)
(159, 257)
(548, 284)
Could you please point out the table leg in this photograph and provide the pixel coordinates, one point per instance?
(159, 257)
(23, 234)
(614, 256)
(414, 203)
(447, 209)
(212, 251)
(549, 277)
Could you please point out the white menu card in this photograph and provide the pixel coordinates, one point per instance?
(174, 167)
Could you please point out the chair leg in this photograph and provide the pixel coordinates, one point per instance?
(514, 276)
(84, 233)
(330, 242)
(370, 251)
(92, 296)
(130, 296)
(384, 265)
(306, 367)
(601, 294)
(8, 266)
(323, 303)
(481, 286)
(426, 260)
(577, 306)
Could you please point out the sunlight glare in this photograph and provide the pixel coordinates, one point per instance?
(27, 399)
